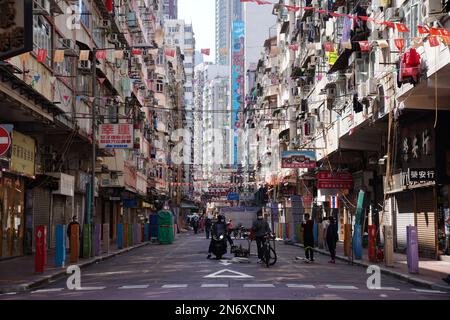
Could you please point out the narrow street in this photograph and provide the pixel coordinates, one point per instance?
(180, 272)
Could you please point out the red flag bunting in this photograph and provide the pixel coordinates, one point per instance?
(136, 52)
(101, 80)
(206, 51)
(400, 44)
(170, 53)
(41, 55)
(401, 27)
(435, 31)
(365, 46)
(292, 8)
(388, 24)
(100, 54)
(444, 32)
(423, 30)
(434, 41)
(262, 2)
(294, 47)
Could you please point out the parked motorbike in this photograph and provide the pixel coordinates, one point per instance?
(219, 245)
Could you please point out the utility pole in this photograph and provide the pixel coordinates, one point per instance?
(94, 141)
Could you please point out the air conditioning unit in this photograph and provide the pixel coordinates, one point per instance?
(331, 92)
(113, 38)
(41, 7)
(314, 60)
(392, 14)
(362, 90)
(84, 65)
(431, 8)
(320, 125)
(105, 23)
(70, 47)
(372, 86)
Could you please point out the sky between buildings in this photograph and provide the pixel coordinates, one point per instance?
(202, 15)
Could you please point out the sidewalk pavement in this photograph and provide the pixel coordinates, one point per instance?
(18, 274)
(430, 274)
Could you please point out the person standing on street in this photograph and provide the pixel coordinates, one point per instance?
(332, 238)
(195, 224)
(260, 228)
(208, 224)
(308, 238)
(74, 222)
(325, 224)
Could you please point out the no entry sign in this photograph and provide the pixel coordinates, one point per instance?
(5, 141)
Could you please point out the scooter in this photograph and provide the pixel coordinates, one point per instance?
(219, 245)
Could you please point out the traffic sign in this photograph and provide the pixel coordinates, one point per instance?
(5, 141)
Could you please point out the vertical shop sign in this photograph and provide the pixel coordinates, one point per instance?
(237, 81)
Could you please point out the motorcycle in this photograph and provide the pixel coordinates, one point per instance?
(219, 245)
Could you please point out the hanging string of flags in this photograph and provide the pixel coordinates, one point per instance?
(434, 34)
(206, 52)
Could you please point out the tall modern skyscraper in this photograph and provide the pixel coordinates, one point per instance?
(227, 11)
(170, 8)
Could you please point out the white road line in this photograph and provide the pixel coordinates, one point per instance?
(329, 286)
(259, 285)
(134, 287)
(48, 290)
(90, 288)
(386, 289)
(428, 291)
(214, 285)
(305, 286)
(170, 286)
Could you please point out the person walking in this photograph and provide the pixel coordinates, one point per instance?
(208, 224)
(308, 238)
(260, 228)
(74, 222)
(325, 224)
(195, 224)
(332, 238)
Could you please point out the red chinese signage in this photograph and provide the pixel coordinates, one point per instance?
(328, 180)
(116, 136)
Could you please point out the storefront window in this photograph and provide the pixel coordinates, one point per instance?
(12, 193)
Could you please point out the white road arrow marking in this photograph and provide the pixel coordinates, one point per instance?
(225, 262)
(235, 274)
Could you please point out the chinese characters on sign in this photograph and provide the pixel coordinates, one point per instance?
(328, 180)
(116, 136)
(421, 175)
(416, 146)
(16, 27)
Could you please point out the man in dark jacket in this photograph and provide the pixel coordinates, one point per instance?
(308, 238)
(260, 228)
(208, 224)
(220, 227)
(332, 238)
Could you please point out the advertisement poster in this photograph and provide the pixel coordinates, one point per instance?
(298, 159)
(237, 81)
(116, 136)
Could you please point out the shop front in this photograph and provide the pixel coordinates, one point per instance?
(17, 169)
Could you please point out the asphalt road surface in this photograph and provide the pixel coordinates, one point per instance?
(181, 271)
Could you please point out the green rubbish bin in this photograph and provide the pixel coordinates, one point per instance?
(165, 227)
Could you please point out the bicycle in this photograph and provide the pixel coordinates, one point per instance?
(269, 253)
